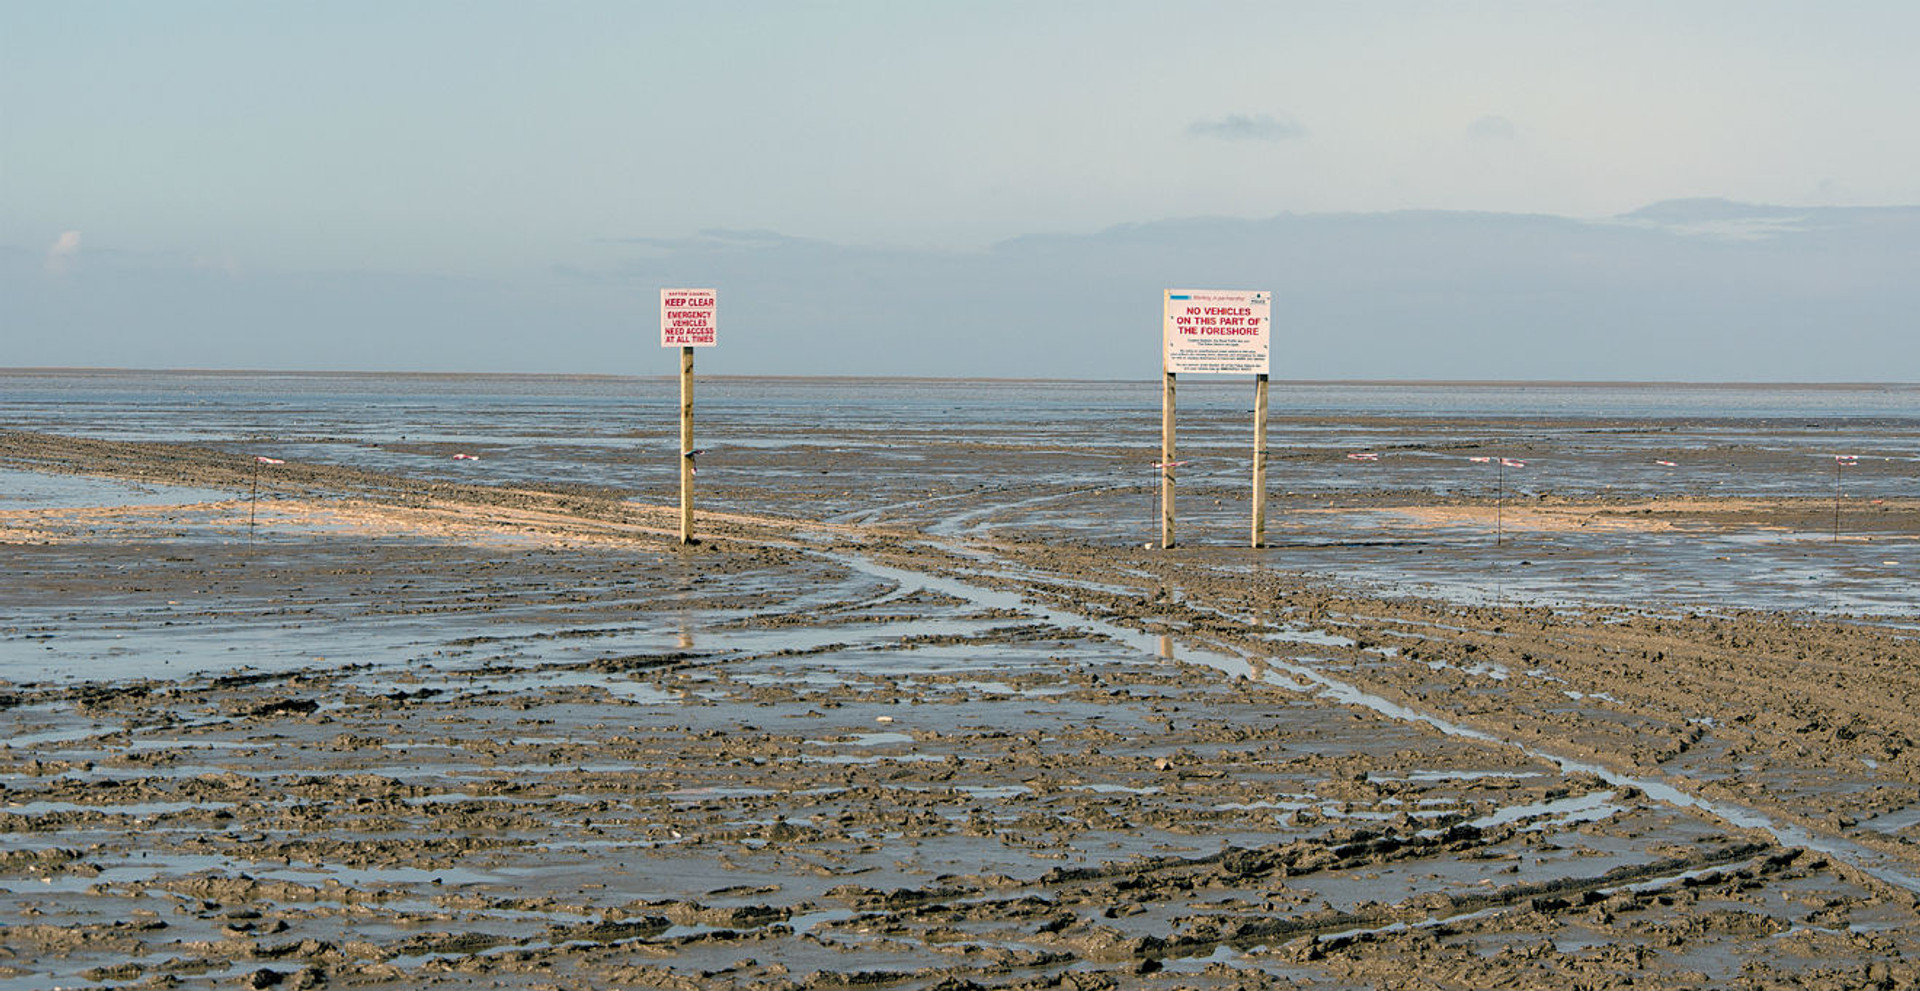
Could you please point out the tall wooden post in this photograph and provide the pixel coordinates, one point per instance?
(686, 445)
(688, 319)
(1166, 461)
(1260, 460)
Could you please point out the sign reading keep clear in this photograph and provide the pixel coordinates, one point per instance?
(688, 318)
(1221, 331)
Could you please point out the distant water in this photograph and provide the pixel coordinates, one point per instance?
(352, 417)
(385, 408)
(217, 400)
(622, 431)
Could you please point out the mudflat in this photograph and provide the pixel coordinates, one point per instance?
(368, 729)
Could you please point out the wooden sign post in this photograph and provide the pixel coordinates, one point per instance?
(1215, 331)
(1167, 462)
(686, 445)
(1260, 460)
(687, 321)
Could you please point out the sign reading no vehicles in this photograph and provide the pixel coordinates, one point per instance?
(688, 318)
(1223, 331)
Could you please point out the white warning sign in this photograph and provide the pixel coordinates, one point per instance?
(1217, 331)
(687, 318)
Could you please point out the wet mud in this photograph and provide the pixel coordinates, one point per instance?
(378, 730)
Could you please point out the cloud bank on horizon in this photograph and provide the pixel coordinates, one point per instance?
(1433, 191)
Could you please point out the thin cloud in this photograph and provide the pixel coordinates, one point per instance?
(223, 264)
(1247, 127)
(60, 256)
(1493, 128)
(712, 239)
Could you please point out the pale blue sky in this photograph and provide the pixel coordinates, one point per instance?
(503, 142)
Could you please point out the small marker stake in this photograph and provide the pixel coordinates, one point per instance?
(1499, 492)
(1840, 461)
(253, 498)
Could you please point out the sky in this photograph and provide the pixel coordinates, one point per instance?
(523, 167)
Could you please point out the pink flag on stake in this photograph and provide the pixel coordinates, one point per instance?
(1364, 456)
(1667, 464)
(261, 459)
(1512, 463)
(1479, 460)
(466, 457)
(1170, 464)
(1847, 459)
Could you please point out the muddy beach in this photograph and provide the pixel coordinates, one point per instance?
(379, 727)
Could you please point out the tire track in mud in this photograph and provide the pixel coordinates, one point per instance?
(1213, 637)
(1325, 931)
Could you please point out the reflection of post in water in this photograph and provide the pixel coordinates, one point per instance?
(683, 579)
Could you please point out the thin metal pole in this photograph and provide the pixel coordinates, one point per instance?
(1500, 502)
(1166, 460)
(1260, 460)
(686, 445)
(1153, 509)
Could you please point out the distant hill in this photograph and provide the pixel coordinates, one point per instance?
(1682, 290)
(1693, 290)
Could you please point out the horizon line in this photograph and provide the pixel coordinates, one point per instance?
(1203, 378)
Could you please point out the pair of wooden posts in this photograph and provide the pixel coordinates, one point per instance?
(1168, 463)
(1166, 455)
(1215, 331)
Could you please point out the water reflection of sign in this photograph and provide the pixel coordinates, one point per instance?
(687, 318)
(1222, 331)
